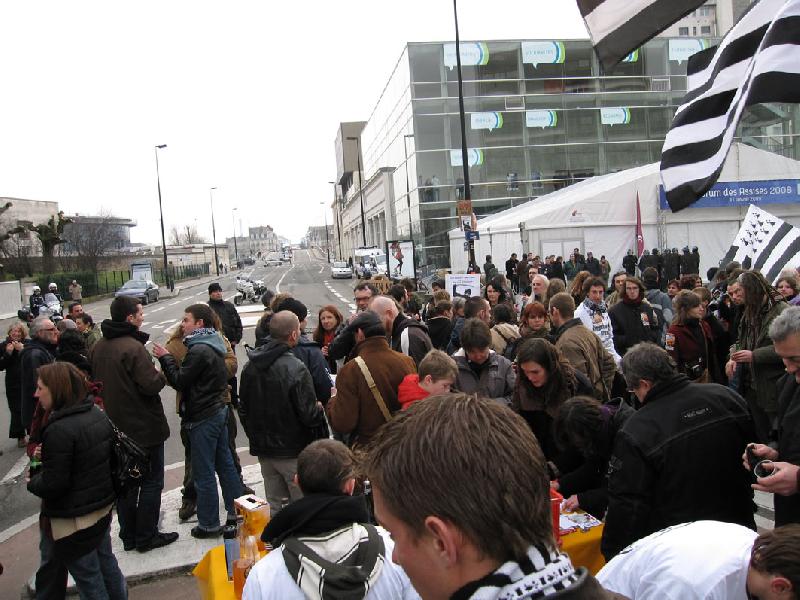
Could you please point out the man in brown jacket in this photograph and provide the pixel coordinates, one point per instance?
(131, 384)
(355, 409)
(581, 347)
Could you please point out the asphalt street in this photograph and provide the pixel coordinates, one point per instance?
(307, 278)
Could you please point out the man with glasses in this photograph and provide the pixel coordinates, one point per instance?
(343, 344)
(39, 351)
(677, 458)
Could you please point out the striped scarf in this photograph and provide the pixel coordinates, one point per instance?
(540, 574)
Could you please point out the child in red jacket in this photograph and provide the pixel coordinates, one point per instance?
(437, 372)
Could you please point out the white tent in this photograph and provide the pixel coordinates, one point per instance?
(599, 215)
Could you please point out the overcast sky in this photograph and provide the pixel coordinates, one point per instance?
(247, 96)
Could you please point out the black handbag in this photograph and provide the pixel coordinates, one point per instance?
(129, 462)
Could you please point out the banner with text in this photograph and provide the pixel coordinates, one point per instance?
(742, 193)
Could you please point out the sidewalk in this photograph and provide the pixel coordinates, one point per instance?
(20, 556)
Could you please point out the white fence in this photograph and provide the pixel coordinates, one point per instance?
(10, 299)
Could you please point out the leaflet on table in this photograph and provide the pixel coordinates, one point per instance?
(569, 522)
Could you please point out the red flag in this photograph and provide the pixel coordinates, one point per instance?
(639, 236)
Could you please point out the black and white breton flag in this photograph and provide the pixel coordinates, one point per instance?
(765, 243)
(618, 27)
(757, 61)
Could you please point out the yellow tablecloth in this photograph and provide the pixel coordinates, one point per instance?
(211, 572)
(583, 548)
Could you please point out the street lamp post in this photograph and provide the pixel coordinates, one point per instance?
(360, 185)
(327, 241)
(214, 229)
(235, 247)
(167, 279)
(408, 189)
(338, 219)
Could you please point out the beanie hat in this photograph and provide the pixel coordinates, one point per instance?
(214, 287)
(295, 306)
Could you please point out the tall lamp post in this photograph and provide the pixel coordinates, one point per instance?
(360, 185)
(167, 279)
(214, 229)
(235, 247)
(464, 155)
(338, 220)
(327, 241)
(408, 189)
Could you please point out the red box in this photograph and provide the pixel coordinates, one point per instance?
(555, 507)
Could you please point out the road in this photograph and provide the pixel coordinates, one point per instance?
(307, 279)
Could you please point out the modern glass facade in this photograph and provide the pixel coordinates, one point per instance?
(540, 115)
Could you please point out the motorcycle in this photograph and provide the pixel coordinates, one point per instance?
(245, 291)
(51, 308)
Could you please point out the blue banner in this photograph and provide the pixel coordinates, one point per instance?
(742, 193)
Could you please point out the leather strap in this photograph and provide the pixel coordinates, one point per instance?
(373, 388)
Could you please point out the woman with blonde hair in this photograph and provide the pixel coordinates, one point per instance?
(576, 288)
(10, 363)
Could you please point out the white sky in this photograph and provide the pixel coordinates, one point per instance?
(246, 94)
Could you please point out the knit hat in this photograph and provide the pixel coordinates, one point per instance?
(295, 306)
(214, 287)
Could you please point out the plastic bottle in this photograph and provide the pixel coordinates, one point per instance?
(242, 566)
(231, 548)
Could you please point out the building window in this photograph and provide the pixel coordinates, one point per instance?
(694, 30)
(705, 29)
(683, 31)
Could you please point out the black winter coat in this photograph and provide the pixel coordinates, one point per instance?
(12, 365)
(75, 478)
(440, 329)
(35, 354)
(410, 337)
(787, 508)
(277, 404)
(310, 355)
(678, 459)
(633, 323)
(231, 322)
(202, 379)
(629, 264)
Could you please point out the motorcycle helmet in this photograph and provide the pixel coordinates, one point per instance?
(37, 289)
(686, 248)
(675, 250)
(52, 287)
(694, 249)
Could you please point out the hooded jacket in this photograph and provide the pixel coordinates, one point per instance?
(678, 459)
(131, 382)
(410, 337)
(410, 391)
(585, 352)
(439, 329)
(494, 379)
(277, 405)
(202, 377)
(503, 334)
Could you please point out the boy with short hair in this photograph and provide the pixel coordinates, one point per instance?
(437, 373)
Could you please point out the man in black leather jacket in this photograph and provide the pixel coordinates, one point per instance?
(678, 458)
(202, 379)
(278, 409)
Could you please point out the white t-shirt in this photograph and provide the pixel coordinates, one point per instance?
(601, 326)
(702, 560)
(269, 579)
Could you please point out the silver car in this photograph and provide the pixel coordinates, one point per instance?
(341, 269)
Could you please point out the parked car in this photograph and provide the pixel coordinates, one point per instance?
(341, 269)
(144, 290)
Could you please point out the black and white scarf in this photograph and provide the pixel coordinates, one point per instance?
(595, 308)
(539, 575)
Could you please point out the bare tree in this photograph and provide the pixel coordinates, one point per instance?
(92, 239)
(187, 234)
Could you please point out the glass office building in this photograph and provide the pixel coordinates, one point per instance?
(540, 115)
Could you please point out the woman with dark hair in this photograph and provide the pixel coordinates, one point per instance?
(535, 322)
(787, 286)
(690, 342)
(590, 427)
(753, 356)
(633, 320)
(673, 287)
(689, 282)
(495, 293)
(76, 486)
(504, 332)
(554, 286)
(576, 289)
(721, 337)
(545, 381)
(10, 363)
(330, 323)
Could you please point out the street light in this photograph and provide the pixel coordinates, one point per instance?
(338, 220)
(327, 241)
(408, 190)
(167, 280)
(361, 186)
(214, 229)
(235, 248)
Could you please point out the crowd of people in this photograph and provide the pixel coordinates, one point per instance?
(448, 423)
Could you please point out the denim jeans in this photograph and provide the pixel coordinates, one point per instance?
(210, 452)
(140, 510)
(97, 575)
(51, 576)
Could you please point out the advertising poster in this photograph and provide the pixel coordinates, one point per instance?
(463, 285)
(400, 255)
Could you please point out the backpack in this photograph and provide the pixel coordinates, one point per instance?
(510, 351)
